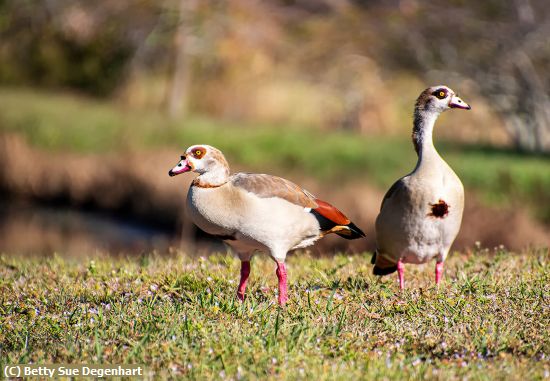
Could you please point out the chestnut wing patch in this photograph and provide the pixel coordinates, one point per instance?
(331, 213)
(267, 186)
(332, 220)
(439, 210)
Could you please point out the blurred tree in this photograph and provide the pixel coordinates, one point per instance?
(181, 76)
(321, 61)
(75, 44)
(504, 46)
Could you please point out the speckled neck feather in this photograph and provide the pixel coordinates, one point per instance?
(418, 131)
(424, 120)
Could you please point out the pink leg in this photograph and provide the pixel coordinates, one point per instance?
(438, 272)
(281, 275)
(245, 272)
(401, 273)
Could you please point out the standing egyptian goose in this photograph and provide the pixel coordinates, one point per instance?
(421, 213)
(256, 212)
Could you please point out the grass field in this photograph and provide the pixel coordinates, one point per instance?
(178, 315)
(66, 123)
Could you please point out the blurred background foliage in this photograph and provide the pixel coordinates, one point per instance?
(320, 88)
(333, 63)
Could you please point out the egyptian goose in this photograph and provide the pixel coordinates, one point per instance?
(256, 212)
(421, 213)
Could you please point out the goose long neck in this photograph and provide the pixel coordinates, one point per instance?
(422, 132)
(214, 177)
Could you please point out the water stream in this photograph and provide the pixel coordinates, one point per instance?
(28, 228)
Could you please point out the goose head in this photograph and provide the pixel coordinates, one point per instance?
(438, 99)
(207, 161)
(201, 159)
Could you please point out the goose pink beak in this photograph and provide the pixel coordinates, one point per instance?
(182, 167)
(456, 102)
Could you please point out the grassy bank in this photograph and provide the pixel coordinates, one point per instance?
(61, 122)
(489, 320)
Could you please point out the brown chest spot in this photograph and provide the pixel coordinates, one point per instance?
(439, 209)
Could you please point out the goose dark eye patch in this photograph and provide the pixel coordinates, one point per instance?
(440, 93)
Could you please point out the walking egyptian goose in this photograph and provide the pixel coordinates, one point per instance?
(256, 212)
(421, 213)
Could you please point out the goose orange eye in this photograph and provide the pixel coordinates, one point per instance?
(440, 94)
(198, 152)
